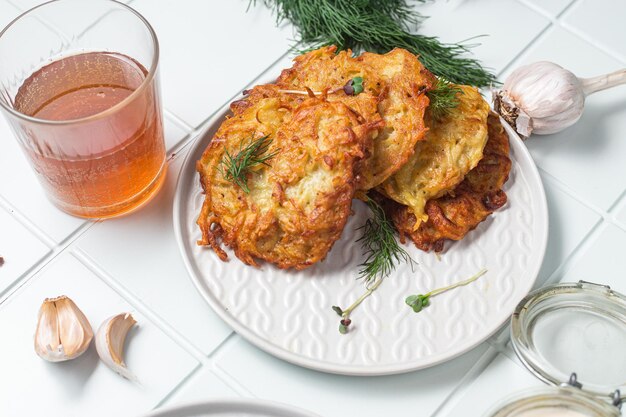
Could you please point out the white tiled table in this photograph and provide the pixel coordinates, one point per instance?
(181, 351)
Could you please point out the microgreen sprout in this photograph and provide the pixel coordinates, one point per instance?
(420, 301)
(354, 86)
(345, 321)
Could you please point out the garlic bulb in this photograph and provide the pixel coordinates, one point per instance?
(110, 343)
(63, 332)
(544, 98)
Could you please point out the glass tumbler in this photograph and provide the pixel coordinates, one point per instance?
(79, 87)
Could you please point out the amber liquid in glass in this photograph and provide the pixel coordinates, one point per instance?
(110, 158)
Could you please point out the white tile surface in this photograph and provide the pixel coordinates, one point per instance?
(19, 248)
(621, 213)
(141, 253)
(201, 387)
(208, 53)
(7, 13)
(271, 378)
(588, 157)
(603, 21)
(29, 4)
(603, 262)
(84, 386)
(553, 7)
(21, 188)
(174, 134)
(569, 221)
(500, 379)
(455, 21)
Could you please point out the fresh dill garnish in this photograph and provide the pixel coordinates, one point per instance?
(443, 98)
(378, 26)
(420, 301)
(382, 250)
(236, 167)
(382, 254)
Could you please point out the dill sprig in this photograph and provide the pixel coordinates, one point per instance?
(235, 168)
(378, 26)
(443, 98)
(382, 251)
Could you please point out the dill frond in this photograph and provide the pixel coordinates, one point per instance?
(382, 250)
(235, 167)
(378, 26)
(443, 97)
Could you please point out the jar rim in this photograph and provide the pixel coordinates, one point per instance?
(566, 398)
(586, 297)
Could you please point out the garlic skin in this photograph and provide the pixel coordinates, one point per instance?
(110, 340)
(547, 98)
(63, 332)
(544, 98)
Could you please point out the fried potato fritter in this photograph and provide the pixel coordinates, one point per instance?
(298, 204)
(452, 216)
(397, 79)
(453, 146)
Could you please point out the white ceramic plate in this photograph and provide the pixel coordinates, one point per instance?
(289, 315)
(231, 408)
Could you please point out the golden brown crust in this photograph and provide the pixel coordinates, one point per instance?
(452, 216)
(399, 82)
(453, 146)
(298, 206)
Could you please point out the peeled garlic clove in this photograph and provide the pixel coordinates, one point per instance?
(63, 332)
(110, 343)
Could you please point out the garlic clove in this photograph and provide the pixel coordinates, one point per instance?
(110, 343)
(63, 332)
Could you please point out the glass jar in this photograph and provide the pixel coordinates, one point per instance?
(563, 328)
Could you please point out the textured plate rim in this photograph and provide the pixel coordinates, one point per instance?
(237, 405)
(354, 370)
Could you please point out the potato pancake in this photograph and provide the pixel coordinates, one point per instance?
(453, 146)
(454, 215)
(298, 204)
(397, 79)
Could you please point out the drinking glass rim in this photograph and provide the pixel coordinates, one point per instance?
(110, 110)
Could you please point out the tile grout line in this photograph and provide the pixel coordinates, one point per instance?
(579, 251)
(606, 215)
(194, 132)
(27, 223)
(232, 382)
(183, 125)
(212, 367)
(524, 51)
(183, 382)
(466, 381)
(595, 43)
(43, 262)
(555, 20)
(139, 305)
